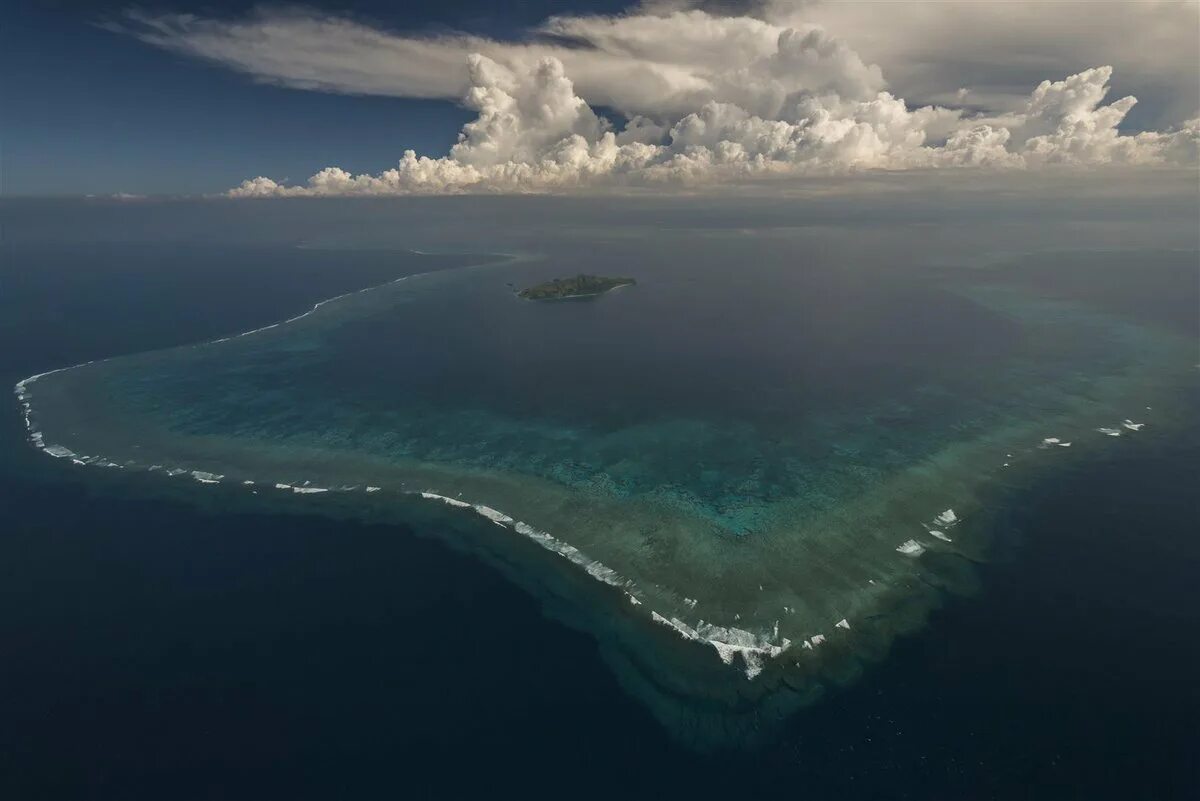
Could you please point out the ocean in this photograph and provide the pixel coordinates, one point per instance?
(173, 643)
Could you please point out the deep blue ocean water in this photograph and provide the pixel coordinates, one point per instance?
(160, 651)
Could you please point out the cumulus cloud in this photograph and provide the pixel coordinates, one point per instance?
(697, 97)
(534, 133)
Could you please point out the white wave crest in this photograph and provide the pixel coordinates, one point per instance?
(947, 518)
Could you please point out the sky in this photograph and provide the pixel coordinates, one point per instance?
(378, 97)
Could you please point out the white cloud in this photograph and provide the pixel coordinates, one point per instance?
(997, 48)
(317, 52)
(701, 98)
(696, 58)
(520, 116)
(534, 133)
(652, 66)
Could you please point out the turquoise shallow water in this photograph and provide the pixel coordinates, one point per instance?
(755, 458)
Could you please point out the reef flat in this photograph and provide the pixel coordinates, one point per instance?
(744, 488)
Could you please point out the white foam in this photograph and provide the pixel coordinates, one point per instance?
(816, 639)
(372, 489)
(947, 518)
(911, 548)
(1132, 426)
(309, 490)
(594, 568)
(729, 642)
(753, 648)
(843, 624)
(36, 438)
(1112, 432)
(445, 500)
(206, 477)
(497, 517)
(940, 535)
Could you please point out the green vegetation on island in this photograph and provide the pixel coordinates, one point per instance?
(581, 286)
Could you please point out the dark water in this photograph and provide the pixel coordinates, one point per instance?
(158, 651)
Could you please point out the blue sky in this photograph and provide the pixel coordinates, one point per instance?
(195, 105)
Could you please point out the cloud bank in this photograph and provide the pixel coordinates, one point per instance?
(687, 98)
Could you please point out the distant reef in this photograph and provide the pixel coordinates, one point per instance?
(581, 286)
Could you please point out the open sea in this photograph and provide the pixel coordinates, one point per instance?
(180, 645)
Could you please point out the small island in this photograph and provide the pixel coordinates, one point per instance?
(581, 286)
